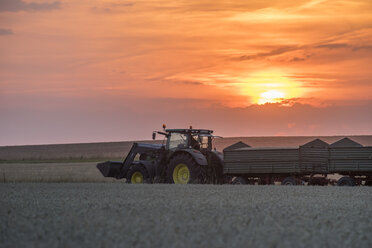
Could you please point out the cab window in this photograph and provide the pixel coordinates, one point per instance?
(204, 142)
(177, 140)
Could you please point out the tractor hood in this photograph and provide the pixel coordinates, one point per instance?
(149, 147)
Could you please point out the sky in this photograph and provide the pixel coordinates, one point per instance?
(97, 70)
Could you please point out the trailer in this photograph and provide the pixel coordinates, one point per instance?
(311, 163)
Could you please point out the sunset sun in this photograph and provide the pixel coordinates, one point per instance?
(271, 96)
(269, 87)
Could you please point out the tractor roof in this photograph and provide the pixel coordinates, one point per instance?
(195, 131)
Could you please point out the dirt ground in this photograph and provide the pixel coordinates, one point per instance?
(122, 215)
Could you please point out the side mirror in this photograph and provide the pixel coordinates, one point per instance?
(153, 135)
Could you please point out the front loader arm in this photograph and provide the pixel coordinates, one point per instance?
(119, 169)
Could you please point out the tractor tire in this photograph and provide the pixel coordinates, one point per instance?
(289, 181)
(239, 180)
(138, 174)
(182, 169)
(346, 181)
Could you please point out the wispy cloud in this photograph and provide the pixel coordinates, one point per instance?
(112, 7)
(274, 52)
(19, 5)
(6, 31)
(334, 46)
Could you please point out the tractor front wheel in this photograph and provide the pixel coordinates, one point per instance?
(138, 174)
(182, 169)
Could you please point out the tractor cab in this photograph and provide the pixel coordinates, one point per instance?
(197, 139)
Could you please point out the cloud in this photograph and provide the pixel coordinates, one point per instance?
(344, 45)
(128, 4)
(367, 47)
(294, 51)
(5, 31)
(190, 82)
(334, 46)
(297, 59)
(274, 52)
(19, 5)
(301, 58)
(108, 8)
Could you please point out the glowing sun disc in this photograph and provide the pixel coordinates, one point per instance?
(271, 96)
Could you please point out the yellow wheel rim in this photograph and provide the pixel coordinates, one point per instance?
(136, 177)
(181, 174)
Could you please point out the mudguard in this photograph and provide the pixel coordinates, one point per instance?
(217, 165)
(218, 156)
(197, 156)
(150, 167)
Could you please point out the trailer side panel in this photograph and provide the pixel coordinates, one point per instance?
(350, 159)
(314, 160)
(261, 160)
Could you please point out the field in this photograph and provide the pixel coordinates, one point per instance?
(52, 172)
(76, 162)
(94, 212)
(121, 215)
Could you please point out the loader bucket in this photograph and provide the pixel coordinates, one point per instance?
(110, 169)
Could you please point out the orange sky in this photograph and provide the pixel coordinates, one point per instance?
(83, 71)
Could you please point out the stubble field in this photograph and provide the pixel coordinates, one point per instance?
(77, 162)
(122, 215)
(70, 204)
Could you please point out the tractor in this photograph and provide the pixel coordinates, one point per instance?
(186, 156)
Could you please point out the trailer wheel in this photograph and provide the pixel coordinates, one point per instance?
(240, 180)
(182, 169)
(227, 179)
(368, 183)
(289, 181)
(346, 181)
(138, 174)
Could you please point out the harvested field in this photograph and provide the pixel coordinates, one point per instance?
(77, 162)
(52, 172)
(121, 215)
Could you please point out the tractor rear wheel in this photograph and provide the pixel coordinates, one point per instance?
(182, 169)
(138, 174)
